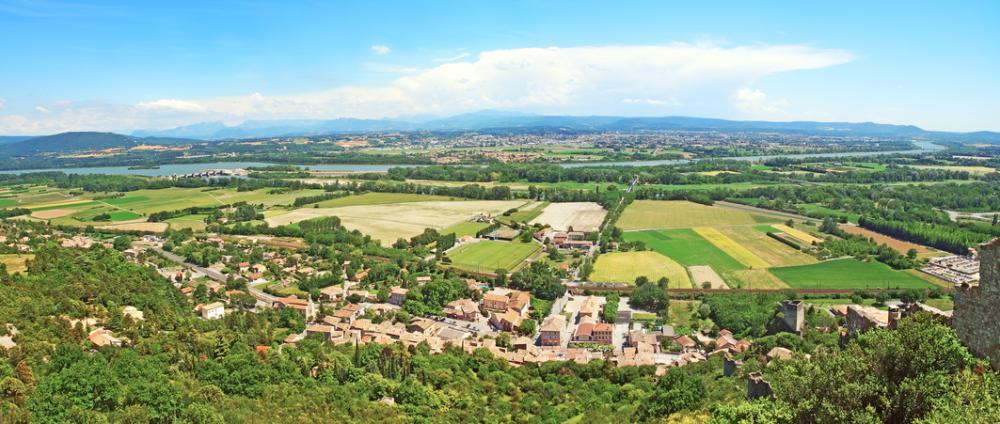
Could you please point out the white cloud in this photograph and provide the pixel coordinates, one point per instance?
(652, 102)
(171, 104)
(381, 50)
(3, 103)
(755, 103)
(459, 56)
(41, 109)
(574, 80)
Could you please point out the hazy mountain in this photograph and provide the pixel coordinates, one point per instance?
(491, 119)
(77, 141)
(8, 139)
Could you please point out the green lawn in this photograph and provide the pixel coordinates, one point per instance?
(488, 256)
(847, 274)
(123, 215)
(467, 228)
(687, 248)
(525, 214)
(625, 267)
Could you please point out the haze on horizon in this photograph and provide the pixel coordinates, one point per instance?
(118, 66)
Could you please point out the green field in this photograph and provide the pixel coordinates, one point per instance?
(525, 213)
(467, 228)
(380, 199)
(625, 267)
(194, 222)
(488, 256)
(815, 209)
(686, 247)
(847, 274)
(15, 262)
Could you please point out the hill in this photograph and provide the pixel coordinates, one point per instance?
(504, 120)
(80, 141)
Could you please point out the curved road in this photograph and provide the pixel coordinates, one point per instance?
(215, 275)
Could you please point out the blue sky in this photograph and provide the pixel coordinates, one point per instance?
(122, 66)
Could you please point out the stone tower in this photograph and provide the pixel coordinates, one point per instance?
(976, 316)
(794, 312)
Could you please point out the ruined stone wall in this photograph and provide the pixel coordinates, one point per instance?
(977, 308)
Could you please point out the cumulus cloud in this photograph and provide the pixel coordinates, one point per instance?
(381, 50)
(755, 103)
(590, 79)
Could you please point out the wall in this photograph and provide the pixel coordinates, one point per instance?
(977, 307)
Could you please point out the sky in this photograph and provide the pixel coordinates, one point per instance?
(123, 66)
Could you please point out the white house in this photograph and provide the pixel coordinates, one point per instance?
(214, 310)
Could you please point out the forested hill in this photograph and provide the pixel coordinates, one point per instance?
(80, 141)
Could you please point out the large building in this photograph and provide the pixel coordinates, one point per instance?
(975, 316)
(551, 331)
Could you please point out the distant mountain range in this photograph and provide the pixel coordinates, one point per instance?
(493, 120)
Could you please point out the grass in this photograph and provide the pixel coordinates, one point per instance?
(731, 248)
(804, 237)
(682, 313)
(194, 222)
(7, 202)
(525, 213)
(975, 170)
(653, 214)
(467, 228)
(625, 267)
(815, 209)
(123, 215)
(488, 256)
(847, 274)
(686, 247)
(15, 262)
(774, 252)
(944, 303)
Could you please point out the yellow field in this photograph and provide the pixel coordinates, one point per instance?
(656, 214)
(156, 227)
(802, 236)
(976, 170)
(52, 213)
(774, 252)
(624, 267)
(732, 248)
(758, 279)
(15, 262)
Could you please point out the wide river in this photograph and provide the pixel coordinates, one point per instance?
(189, 168)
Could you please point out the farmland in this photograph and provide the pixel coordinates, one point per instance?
(15, 262)
(625, 267)
(735, 250)
(686, 247)
(487, 256)
(391, 221)
(847, 274)
(580, 216)
(658, 214)
(774, 252)
(897, 245)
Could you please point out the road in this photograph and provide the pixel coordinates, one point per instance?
(213, 274)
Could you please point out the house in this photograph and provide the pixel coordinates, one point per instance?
(306, 307)
(332, 293)
(585, 330)
(463, 309)
(686, 343)
(422, 326)
(635, 337)
(102, 337)
(213, 310)
(326, 331)
(495, 301)
(507, 321)
(360, 275)
(349, 313)
(864, 318)
(550, 333)
(519, 301)
(423, 279)
(397, 296)
(590, 307)
(132, 312)
(603, 333)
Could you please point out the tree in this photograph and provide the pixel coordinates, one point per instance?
(527, 327)
(650, 297)
(122, 243)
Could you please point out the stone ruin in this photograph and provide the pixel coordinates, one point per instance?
(976, 316)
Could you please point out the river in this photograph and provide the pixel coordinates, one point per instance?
(189, 168)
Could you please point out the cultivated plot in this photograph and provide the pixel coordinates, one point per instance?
(774, 252)
(625, 267)
(879, 238)
(686, 247)
(389, 222)
(653, 214)
(847, 274)
(802, 236)
(702, 275)
(580, 216)
(731, 248)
